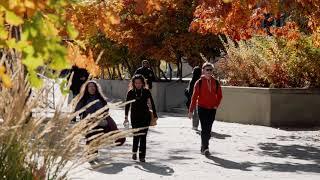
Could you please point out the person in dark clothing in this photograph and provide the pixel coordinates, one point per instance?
(207, 95)
(80, 76)
(146, 72)
(90, 92)
(140, 114)
(196, 74)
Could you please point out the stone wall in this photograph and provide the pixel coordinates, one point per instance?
(166, 95)
(259, 106)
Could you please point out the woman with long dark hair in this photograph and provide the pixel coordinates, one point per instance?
(196, 74)
(91, 91)
(140, 114)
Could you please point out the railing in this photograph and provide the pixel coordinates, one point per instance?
(49, 92)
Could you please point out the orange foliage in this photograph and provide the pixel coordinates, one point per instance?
(153, 28)
(241, 19)
(82, 60)
(24, 7)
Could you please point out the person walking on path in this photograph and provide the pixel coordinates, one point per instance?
(196, 74)
(140, 114)
(91, 91)
(146, 72)
(206, 96)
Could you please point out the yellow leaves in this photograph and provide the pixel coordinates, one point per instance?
(29, 4)
(4, 78)
(13, 19)
(227, 1)
(3, 33)
(316, 38)
(22, 7)
(113, 18)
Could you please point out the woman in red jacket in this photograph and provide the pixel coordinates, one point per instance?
(207, 96)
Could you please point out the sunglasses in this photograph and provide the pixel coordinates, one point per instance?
(209, 70)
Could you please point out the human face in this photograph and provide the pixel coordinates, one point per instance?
(208, 71)
(138, 84)
(92, 89)
(145, 64)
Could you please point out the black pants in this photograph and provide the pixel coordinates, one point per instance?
(142, 139)
(207, 117)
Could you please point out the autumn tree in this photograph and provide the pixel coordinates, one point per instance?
(242, 19)
(29, 32)
(157, 30)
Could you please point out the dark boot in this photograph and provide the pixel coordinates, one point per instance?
(134, 156)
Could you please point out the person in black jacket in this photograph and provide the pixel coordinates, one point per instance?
(140, 114)
(80, 76)
(146, 72)
(196, 74)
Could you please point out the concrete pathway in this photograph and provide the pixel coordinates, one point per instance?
(238, 152)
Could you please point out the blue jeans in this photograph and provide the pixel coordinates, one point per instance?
(207, 117)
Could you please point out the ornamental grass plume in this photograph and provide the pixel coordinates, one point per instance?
(35, 146)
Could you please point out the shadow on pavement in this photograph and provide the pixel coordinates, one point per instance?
(285, 152)
(216, 135)
(230, 164)
(266, 166)
(308, 153)
(155, 168)
(300, 128)
(309, 138)
(178, 158)
(114, 168)
(290, 167)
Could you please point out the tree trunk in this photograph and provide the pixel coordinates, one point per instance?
(119, 72)
(113, 72)
(179, 65)
(109, 73)
(163, 74)
(129, 67)
(170, 72)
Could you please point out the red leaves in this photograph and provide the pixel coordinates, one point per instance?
(243, 19)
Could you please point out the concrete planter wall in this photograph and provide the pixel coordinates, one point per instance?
(166, 95)
(259, 106)
(270, 107)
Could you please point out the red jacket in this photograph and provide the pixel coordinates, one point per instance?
(203, 97)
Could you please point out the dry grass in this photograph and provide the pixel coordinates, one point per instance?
(38, 147)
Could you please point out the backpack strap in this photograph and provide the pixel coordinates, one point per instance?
(200, 82)
(217, 84)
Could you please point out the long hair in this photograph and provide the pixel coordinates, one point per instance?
(84, 94)
(196, 73)
(134, 78)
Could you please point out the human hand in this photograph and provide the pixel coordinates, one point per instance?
(125, 121)
(190, 114)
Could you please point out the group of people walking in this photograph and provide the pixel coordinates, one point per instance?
(204, 96)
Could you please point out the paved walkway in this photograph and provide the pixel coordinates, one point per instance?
(238, 152)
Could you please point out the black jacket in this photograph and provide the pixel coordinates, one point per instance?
(140, 114)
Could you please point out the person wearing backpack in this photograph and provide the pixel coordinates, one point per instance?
(196, 74)
(207, 95)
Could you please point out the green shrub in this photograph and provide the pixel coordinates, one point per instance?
(12, 166)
